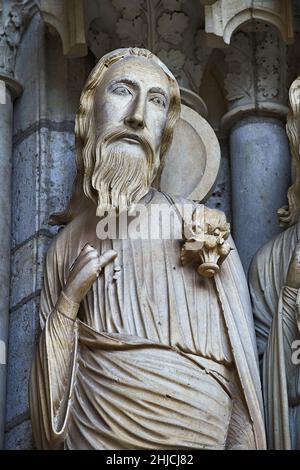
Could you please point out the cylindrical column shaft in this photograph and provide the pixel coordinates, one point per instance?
(6, 113)
(260, 169)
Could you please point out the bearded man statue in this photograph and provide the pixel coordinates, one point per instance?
(137, 350)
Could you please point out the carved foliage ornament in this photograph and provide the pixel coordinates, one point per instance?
(254, 62)
(164, 27)
(239, 83)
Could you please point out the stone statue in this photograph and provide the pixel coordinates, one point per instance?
(137, 350)
(274, 284)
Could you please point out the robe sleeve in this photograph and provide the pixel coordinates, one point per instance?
(263, 303)
(53, 368)
(290, 338)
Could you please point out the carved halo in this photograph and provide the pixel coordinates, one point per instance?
(193, 161)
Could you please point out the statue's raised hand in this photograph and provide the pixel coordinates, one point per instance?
(293, 275)
(85, 270)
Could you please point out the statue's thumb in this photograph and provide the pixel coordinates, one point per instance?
(107, 257)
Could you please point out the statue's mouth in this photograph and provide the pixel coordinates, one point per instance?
(119, 136)
(132, 139)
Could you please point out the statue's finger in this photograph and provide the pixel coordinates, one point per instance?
(87, 247)
(107, 257)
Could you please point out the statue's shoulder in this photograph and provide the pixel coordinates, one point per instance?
(184, 201)
(163, 197)
(284, 238)
(68, 237)
(187, 208)
(279, 247)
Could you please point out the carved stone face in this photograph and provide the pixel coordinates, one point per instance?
(16, 17)
(131, 106)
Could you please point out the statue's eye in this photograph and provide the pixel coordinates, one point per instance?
(159, 101)
(121, 90)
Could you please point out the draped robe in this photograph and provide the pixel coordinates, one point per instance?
(275, 311)
(148, 362)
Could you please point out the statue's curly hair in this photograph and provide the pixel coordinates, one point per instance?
(289, 215)
(85, 130)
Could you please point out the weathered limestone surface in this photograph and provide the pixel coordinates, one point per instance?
(22, 337)
(253, 77)
(37, 194)
(43, 171)
(5, 224)
(275, 288)
(144, 298)
(223, 17)
(20, 437)
(260, 162)
(220, 197)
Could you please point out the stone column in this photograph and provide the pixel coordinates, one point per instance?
(259, 151)
(8, 90)
(11, 22)
(260, 178)
(5, 210)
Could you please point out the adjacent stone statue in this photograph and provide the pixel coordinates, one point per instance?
(274, 284)
(147, 342)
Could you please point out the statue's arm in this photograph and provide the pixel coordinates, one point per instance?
(53, 365)
(291, 292)
(267, 281)
(280, 373)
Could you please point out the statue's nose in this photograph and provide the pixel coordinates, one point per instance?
(135, 118)
(135, 121)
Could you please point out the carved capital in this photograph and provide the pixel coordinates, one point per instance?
(169, 28)
(13, 19)
(224, 17)
(256, 78)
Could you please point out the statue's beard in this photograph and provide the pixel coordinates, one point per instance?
(121, 179)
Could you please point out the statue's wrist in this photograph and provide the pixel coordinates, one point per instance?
(67, 307)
